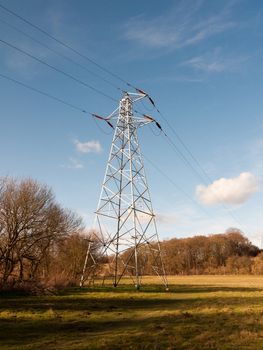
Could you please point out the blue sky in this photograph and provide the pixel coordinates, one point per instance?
(202, 63)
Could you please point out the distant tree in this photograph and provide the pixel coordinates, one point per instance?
(239, 264)
(240, 245)
(230, 252)
(257, 266)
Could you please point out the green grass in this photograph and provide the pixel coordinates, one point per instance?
(198, 312)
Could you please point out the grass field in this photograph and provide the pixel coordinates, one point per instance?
(198, 312)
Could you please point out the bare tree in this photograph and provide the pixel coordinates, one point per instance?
(30, 221)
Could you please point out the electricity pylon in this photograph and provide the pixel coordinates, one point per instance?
(125, 224)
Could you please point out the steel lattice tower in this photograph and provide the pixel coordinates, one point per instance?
(125, 224)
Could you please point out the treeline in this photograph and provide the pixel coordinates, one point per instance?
(228, 253)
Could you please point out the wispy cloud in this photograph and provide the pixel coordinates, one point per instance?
(235, 190)
(49, 17)
(215, 62)
(73, 164)
(20, 63)
(185, 221)
(184, 25)
(254, 154)
(167, 218)
(56, 18)
(173, 78)
(92, 146)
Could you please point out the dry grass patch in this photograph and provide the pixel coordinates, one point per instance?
(198, 312)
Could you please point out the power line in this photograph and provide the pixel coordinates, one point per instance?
(47, 94)
(178, 151)
(186, 161)
(200, 167)
(60, 54)
(57, 99)
(184, 145)
(58, 70)
(183, 157)
(43, 93)
(66, 45)
(65, 57)
(176, 186)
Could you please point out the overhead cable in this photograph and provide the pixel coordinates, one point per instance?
(59, 41)
(176, 186)
(57, 70)
(60, 54)
(43, 93)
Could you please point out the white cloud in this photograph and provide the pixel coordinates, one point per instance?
(92, 146)
(231, 191)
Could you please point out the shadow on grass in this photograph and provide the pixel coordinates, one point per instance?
(121, 331)
(186, 317)
(151, 288)
(126, 299)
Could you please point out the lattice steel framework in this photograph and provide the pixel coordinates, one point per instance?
(125, 224)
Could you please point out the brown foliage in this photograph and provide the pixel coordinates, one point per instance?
(257, 267)
(31, 222)
(230, 252)
(64, 265)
